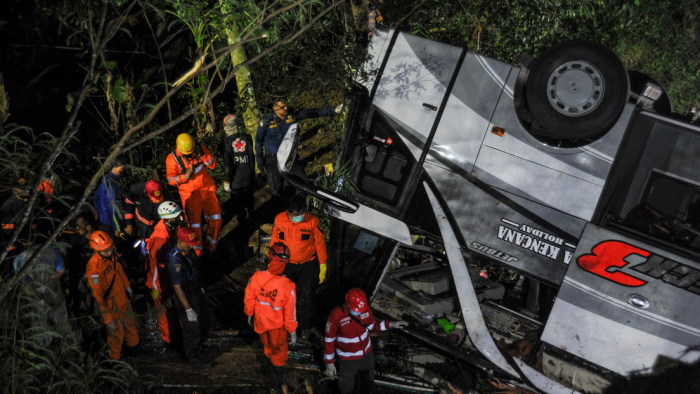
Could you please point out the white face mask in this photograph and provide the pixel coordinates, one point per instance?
(354, 313)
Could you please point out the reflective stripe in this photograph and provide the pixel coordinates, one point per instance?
(210, 161)
(144, 220)
(330, 339)
(213, 217)
(198, 168)
(294, 298)
(196, 225)
(128, 216)
(383, 326)
(212, 240)
(354, 339)
(129, 201)
(371, 326)
(155, 279)
(173, 178)
(197, 247)
(329, 356)
(270, 305)
(348, 354)
(9, 226)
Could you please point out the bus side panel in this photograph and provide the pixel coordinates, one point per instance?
(623, 304)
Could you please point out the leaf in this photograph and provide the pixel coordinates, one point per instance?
(119, 90)
(69, 102)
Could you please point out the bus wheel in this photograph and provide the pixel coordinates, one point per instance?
(576, 90)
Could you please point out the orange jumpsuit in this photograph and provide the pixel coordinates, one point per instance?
(198, 194)
(108, 281)
(271, 299)
(158, 246)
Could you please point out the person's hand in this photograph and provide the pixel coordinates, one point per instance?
(155, 294)
(191, 315)
(250, 321)
(398, 324)
(227, 186)
(339, 109)
(261, 167)
(189, 171)
(112, 327)
(322, 273)
(129, 229)
(129, 293)
(330, 370)
(293, 338)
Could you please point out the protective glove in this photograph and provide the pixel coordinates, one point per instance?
(398, 324)
(191, 315)
(112, 327)
(129, 293)
(227, 186)
(293, 338)
(261, 167)
(250, 321)
(155, 294)
(129, 229)
(339, 109)
(322, 273)
(330, 370)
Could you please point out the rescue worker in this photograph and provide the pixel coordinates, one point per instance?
(272, 130)
(109, 199)
(42, 282)
(112, 291)
(157, 279)
(79, 255)
(308, 257)
(142, 204)
(347, 335)
(270, 306)
(13, 207)
(239, 167)
(190, 302)
(186, 168)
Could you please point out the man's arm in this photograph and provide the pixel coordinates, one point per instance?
(330, 337)
(229, 165)
(208, 159)
(319, 242)
(259, 144)
(289, 309)
(249, 299)
(181, 296)
(130, 206)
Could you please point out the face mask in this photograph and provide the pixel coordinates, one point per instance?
(298, 219)
(354, 313)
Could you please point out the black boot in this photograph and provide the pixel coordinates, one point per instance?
(275, 375)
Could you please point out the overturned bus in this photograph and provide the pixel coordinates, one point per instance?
(548, 211)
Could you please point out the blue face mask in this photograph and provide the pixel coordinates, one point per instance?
(354, 313)
(298, 219)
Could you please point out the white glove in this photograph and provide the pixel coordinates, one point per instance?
(227, 186)
(330, 370)
(339, 109)
(250, 321)
(191, 315)
(129, 293)
(293, 338)
(398, 324)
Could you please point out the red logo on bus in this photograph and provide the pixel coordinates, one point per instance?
(606, 259)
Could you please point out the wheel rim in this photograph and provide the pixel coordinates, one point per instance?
(575, 88)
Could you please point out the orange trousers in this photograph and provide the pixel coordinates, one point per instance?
(168, 320)
(276, 348)
(125, 331)
(204, 203)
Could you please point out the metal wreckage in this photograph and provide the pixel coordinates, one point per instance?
(539, 222)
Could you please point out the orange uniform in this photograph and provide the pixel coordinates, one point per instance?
(304, 239)
(271, 299)
(198, 193)
(108, 281)
(158, 246)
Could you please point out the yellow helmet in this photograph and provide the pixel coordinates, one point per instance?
(185, 143)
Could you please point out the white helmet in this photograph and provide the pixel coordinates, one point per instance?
(169, 210)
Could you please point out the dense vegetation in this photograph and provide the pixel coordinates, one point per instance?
(88, 79)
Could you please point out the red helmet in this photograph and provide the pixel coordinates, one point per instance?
(100, 240)
(357, 300)
(280, 252)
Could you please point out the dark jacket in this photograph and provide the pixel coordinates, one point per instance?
(239, 160)
(141, 211)
(108, 202)
(272, 129)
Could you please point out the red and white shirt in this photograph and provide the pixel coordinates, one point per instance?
(346, 337)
